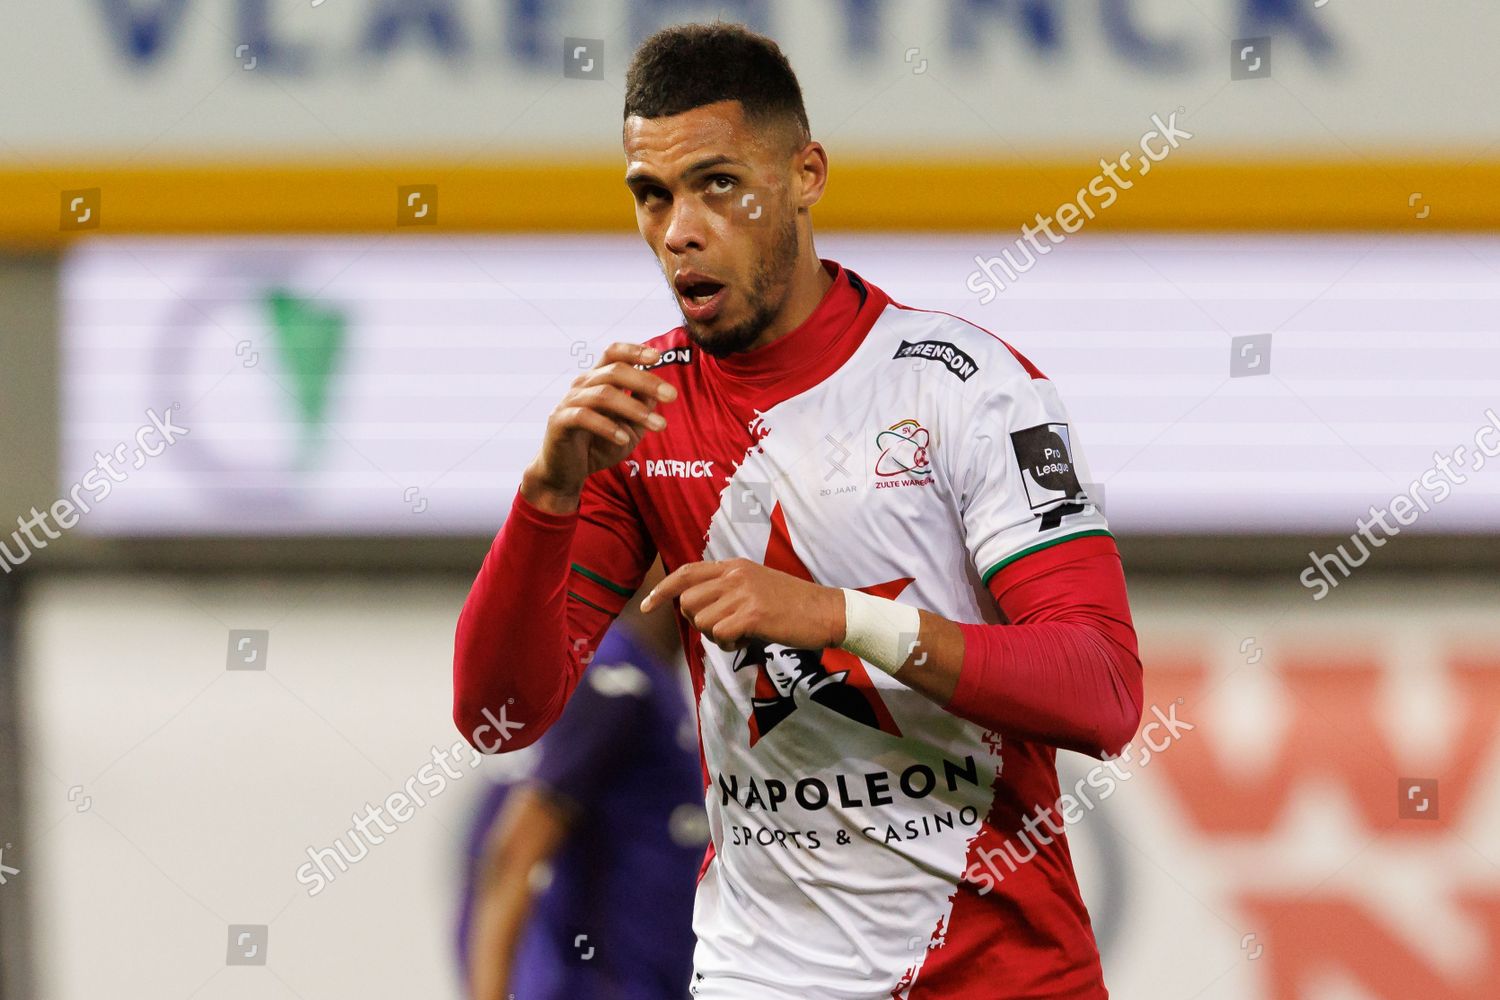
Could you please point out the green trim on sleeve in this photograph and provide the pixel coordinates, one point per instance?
(585, 600)
(601, 581)
(1037, 548)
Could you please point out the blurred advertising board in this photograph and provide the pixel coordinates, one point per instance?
(1317, 820)
(1216, 385)
(196, 79)
(1321, 822)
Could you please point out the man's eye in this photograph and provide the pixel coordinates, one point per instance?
(722, 184)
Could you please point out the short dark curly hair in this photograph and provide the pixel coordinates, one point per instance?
(687, 66)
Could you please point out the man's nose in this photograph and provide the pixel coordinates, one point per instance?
(687, 228)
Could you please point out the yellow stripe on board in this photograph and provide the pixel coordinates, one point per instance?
(945, 196)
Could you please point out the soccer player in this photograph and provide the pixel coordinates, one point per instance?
(897, 492)
(612, 812)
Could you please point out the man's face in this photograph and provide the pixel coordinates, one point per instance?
(714, 200)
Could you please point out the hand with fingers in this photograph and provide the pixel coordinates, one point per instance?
(732, 601)
(600, 420)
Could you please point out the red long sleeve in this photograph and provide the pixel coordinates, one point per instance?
(537, 610)
(1066, 670)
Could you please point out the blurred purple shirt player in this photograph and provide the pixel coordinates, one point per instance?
(614, 810)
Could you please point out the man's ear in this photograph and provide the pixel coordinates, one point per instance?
(810, 174)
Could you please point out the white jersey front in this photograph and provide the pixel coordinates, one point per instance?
(910, 455)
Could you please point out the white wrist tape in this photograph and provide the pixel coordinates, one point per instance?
(879, 631)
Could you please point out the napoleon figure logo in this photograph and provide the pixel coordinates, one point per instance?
(789, 678)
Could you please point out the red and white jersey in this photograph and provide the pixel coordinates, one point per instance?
(910, 455)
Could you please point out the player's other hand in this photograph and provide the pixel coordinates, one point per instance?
(600, 420)
(732, 601)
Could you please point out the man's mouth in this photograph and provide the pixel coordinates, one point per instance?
(701, 296)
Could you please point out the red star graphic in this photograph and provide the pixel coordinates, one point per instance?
(781, 556)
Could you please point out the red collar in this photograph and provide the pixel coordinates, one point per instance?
(803, 357)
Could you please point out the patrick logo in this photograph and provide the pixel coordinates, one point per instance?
(758, 427)
(788, 680)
